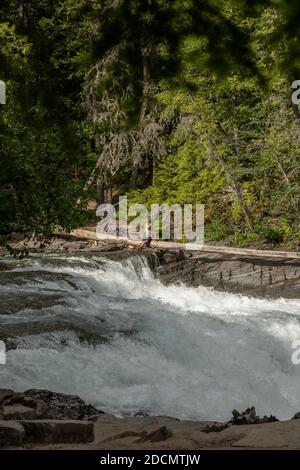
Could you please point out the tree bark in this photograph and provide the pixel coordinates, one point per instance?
(100, 192)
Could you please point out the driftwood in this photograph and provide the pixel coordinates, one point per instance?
(168, 245)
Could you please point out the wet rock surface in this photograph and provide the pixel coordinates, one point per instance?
(238, 274)
(36, 301)
(62, 333)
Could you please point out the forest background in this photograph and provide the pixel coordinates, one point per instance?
(165, 101)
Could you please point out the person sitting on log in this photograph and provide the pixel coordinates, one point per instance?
(146, 243)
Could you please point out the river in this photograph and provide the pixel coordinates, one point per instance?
(111, 333)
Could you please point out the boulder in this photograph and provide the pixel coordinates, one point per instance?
(61, 406)
(43, 404)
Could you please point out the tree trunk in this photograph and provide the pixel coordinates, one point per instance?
(109, 194)
(100, 192)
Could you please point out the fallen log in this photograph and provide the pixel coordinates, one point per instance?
(169, 245)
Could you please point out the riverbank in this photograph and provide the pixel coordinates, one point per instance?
(40, 419)
(163, 433)
(112, 433)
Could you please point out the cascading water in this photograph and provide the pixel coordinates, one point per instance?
(111, 333)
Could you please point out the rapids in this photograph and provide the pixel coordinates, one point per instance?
(111, 333)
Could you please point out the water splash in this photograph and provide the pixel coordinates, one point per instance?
(186, 352)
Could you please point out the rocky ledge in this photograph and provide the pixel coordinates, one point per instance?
(43, 419)
(257, 276)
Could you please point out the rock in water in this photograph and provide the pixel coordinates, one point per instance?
(249, 416)
(61, 406)
(246, 417)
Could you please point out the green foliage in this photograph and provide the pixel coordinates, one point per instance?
(237, 146)
(41, 147)
(272, 234)
(184, 101)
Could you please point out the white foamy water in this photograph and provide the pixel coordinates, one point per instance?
(185, 352)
